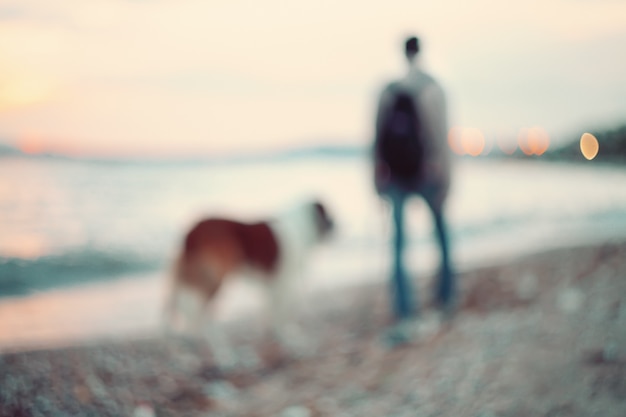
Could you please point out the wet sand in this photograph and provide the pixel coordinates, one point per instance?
(541, 335)
(126, 307)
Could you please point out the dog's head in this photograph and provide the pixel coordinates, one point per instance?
(323, 222)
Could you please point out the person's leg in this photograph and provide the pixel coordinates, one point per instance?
(445, 289)
(401, 284)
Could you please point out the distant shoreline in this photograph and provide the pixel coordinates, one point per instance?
(612, 151)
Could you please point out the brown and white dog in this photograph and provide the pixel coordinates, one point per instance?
(271, 251)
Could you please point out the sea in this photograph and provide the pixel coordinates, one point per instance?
(68, 224)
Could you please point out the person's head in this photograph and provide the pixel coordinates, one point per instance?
(411, 48)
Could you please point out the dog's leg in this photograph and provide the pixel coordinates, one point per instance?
(170, 308)
(286, 330)
(279, 307)
(205, 325)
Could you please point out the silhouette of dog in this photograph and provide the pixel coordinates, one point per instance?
(271, 251)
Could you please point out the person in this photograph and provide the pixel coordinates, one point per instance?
(432, 182)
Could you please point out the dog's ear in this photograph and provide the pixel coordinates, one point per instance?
(323, 220)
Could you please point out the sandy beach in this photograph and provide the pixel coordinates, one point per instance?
(542, 335)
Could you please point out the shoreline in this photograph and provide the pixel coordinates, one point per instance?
(84, 314)
(550, 327)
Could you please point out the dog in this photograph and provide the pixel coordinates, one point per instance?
(272, 251)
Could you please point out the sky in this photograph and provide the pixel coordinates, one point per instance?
(189, 77)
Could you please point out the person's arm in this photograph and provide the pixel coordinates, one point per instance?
(380, 169)
(381, 112)
(434, 108)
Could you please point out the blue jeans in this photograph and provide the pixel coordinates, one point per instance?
(402, 293)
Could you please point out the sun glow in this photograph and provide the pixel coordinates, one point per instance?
(31, 143)
(21, 91)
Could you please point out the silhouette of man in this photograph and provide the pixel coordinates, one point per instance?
(432, 182)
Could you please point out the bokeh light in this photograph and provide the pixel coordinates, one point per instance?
(522, 141)
(472, 141)
(538, 140)
(507, 146)
(533, 141)
(468, 141)
(454, 140)
(589, 146)
(489, 143)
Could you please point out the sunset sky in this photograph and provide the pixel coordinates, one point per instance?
(165, 77)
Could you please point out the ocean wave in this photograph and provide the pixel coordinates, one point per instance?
(24, 276)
